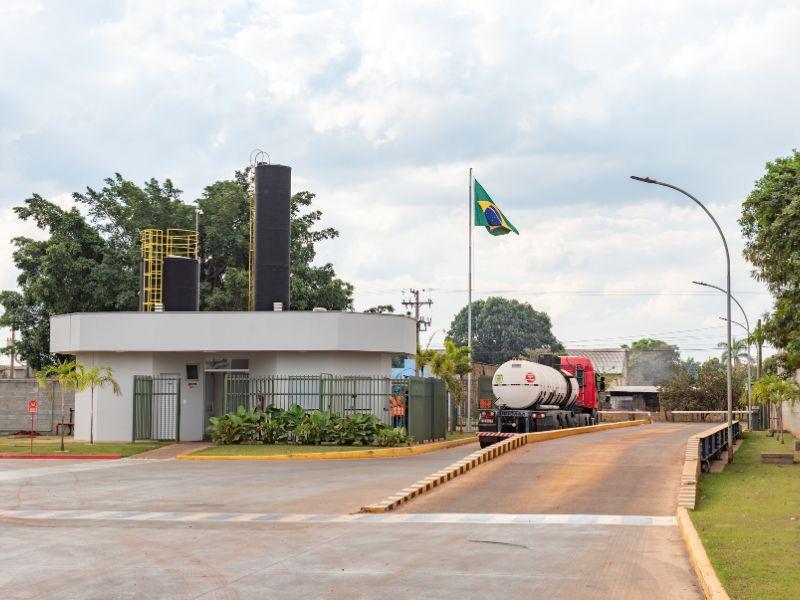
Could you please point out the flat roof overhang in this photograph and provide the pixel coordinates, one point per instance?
(263, 331)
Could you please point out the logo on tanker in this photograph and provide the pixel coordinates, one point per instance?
(498, 379)
(530, 377)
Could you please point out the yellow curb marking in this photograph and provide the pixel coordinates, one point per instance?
(712, 587)
(349, 454)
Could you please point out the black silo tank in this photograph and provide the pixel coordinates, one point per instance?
(271, 236)
(179, 291)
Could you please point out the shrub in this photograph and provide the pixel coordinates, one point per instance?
(296, 425)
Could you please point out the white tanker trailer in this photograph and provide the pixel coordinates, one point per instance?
(553, 393)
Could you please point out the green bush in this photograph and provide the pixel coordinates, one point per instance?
(296, 425)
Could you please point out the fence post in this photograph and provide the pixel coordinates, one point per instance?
(178, 411)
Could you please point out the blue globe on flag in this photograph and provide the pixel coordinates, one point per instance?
(492, 217)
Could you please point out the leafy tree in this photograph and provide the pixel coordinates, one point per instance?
(91, 263)
(652, 362)
(503, 329)
(450, 366)
(740, 351)
(706, 391)
(380, 309)
(67, 376)
(690, 366)
(772, 244)
(225, 243)
(776, 390)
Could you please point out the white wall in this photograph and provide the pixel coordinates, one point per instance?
(265, 331)
(113, 414)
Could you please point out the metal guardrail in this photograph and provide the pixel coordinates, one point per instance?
(715, 440)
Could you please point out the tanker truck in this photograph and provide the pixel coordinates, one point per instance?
(555, 392)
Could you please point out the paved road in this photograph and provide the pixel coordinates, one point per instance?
(314, 486)
(264, 530)
(630, 471)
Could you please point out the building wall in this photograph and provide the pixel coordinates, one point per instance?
(791, 418)
(113, 414)
(14, 396)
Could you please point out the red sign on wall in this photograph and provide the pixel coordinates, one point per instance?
(33, 406)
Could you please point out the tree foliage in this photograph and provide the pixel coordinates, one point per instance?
(740, 353)
(772, 244)
(90, 262)
(503, 329)
(652, 362)
(706, 391)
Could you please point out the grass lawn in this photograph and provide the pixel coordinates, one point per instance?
(50, 445)
(749, 521)
(273, 449)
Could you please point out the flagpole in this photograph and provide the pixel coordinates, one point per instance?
(470, 211)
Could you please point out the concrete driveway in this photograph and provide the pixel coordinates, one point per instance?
(182, 529)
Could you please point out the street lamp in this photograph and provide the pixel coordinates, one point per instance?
(728, 292)
(749, 366)
(749, 359)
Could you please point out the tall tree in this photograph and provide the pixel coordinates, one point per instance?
(772, 244)
(503, 329)
(225, 242)
(705, 391)
(91, 263)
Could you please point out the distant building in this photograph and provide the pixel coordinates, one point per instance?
(611, 363)
(634, 397)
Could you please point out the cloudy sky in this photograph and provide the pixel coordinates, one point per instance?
(381, 108)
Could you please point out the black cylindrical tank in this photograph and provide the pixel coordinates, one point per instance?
(271, 237)
(179, 291)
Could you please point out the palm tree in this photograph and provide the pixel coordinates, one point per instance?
(776, 390)
(740, 351)
(64, 373)
(97, 377)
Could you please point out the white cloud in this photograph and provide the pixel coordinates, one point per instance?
(381, 109)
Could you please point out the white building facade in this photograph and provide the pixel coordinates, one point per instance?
(197, 349)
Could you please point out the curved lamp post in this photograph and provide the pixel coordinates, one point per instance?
(749, 358)
(749, 376)
(727, 291)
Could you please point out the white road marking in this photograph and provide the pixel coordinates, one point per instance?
(376, 518)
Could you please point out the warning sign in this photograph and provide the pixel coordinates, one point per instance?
(33, 406)
(530, 377)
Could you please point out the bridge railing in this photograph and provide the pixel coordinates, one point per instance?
(700, 449)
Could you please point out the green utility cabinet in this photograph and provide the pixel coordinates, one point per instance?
(427, 408)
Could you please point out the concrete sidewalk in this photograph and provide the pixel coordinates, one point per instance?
(172, 450)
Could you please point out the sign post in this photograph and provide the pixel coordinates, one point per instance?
(33, 406)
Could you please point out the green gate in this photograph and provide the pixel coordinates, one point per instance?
(156, 408)
(427, 408)
(339, 394)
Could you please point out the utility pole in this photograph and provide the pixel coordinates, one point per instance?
(422, 323)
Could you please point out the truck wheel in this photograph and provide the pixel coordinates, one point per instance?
(486, 441)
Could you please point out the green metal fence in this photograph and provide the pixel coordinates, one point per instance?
(341, 395)
(156, 408)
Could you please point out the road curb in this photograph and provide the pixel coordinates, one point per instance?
(484, 455)
(62, 456)
(347, 454)
(712, 587)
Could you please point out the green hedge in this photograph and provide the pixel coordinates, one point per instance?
(297, 426)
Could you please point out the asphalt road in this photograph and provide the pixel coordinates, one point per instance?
(182, 529)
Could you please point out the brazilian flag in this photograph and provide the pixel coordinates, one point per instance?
(487, 213)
